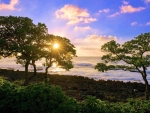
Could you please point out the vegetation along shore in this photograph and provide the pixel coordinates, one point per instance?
(89, 96)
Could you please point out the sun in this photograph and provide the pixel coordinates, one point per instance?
(56, 46)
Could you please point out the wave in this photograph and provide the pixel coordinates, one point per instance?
(84, 65)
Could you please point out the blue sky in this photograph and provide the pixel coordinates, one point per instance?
(87, 23)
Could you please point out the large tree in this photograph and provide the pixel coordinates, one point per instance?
(24, 39)
(58, 50)
(134, 53)
(6, 35)
(32, 49)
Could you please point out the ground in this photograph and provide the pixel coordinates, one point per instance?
(79, 87)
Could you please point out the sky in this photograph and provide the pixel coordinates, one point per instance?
(87, 23)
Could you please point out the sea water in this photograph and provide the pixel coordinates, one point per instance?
(83, 66)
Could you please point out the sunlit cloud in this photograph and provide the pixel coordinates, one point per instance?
(89, 48)
(10, 6)
(130, 9)
(133, 23)
(126, 8)
(148, 23)
(91, 44)
(77, 28)
(147, 1)
(104, 10)
(74, 14)
(99, 39)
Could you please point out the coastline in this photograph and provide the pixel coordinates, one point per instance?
(80, 87)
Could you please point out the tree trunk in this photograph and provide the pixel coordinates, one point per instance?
(46, 72)
(34, 73)
(146, 87)
(49, 64)
(144, 75)
(34, 66)
(26, 73)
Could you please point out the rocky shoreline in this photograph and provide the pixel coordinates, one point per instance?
(80, 87)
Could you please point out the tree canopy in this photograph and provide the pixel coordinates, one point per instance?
(61, 55)
(134, 53)
(29, 42)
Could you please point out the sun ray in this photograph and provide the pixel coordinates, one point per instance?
(56, 46)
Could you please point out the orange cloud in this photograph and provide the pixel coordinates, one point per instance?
(74, 14)
(10, 6)
(90, 46)
(130, 9)
(126, 8)
(100, 39)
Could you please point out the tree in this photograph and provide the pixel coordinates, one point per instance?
(60, 51)
(24, 40)
(134, 53)
(32, 51)
(6, 35)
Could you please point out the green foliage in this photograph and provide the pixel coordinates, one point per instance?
(36, 98)
(40, 98)
(134, 53)
(132, 106)
(22, 38)
(93, 105)
(101, 67)
(28, 42)
(62, 56)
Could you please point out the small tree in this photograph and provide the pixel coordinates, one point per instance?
(61, 55)
(134, 53)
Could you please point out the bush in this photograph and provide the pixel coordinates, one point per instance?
(132, 106)
(36, 98)
(93, 105)
(41, 98)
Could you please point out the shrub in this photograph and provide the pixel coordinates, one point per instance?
(36, 98)
(93, 105)
(41, 98)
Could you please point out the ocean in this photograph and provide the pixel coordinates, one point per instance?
(83, 66)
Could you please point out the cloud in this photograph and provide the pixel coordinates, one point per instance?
(126, 8)
(130, 9)
(125, 2)
(133, 23)
(10, 6)
(91, 44)
(89, 48)
(82, 28)
(147, 1)
(148, 23)
(74, 14)
(99, 39)
(104, 10)
(114, 15)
